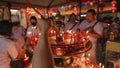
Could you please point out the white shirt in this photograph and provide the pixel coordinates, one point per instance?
(33, 30)
(33, 34)
(69, 25)
(7, 51)
(98, 28)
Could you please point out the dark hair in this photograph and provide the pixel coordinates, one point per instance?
(71, 16)
(16, 23)
(107, 19)
(33, 17)
(5, 28)
(92, 11)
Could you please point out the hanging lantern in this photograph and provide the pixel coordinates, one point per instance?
(75, 8)
(101, 5)
(113, 9)
(114, 6)
(114, 3)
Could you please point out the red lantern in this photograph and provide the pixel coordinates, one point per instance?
(75, 8)
(114, 6)
(114, 3)
(113, 9)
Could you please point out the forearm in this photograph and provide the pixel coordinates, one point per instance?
(95, 35)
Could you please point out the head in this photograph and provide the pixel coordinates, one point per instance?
(51, 21)
(90, 15)
(5, 28)
(72, 18)
(33, 20)
(106, 22)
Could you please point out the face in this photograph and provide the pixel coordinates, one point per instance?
(33, 22)
(72, 18)
(90, 17)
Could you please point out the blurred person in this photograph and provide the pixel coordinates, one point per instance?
(42, 57)
(33, 32)
(52, 27)
(95, 29)
(33, 35)
(8, 50)
(115, 27)
(71, 24)
(60, 24)
(18, 35)
(106, 28)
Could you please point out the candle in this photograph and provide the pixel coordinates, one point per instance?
(26, 60)
(30, 65)
(87, 32)
(100, 64)
(89, 55)
(103, 66)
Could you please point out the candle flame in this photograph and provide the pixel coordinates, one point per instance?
(100, 64)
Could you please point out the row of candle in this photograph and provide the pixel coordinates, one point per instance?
(69, 37)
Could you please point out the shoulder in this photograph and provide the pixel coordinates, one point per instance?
(9, 43)
(99, 24)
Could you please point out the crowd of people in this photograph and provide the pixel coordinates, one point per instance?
(17, 42)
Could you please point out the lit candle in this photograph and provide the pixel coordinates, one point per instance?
(87, 32)
(30, 65)
(100, 64)
(26, 60)
(89, 55)
(103, 66)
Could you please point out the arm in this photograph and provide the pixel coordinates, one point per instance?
(14, 53)
(98, 31)
(95, 35)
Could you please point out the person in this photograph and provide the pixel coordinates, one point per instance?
(8, 50)
(52, 32)
(95, 33)
(33, 35)
(60, 24)
(18, 35)
(33, 32)
(71, 24)
(42, 57)
(115, 27)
